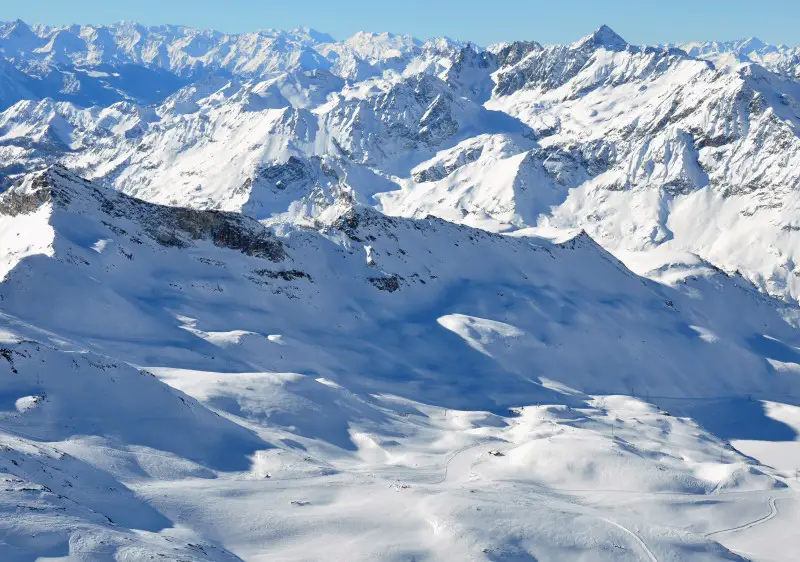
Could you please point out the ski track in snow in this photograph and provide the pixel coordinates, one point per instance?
(773, 511)
(647, 552)
(448, 474)
(465, 468)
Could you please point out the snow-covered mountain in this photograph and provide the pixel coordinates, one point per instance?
(639, 146)
(275, 296)
(777, 58)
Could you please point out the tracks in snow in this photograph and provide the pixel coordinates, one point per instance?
(639, 541)
(450, 474)
(773, 511)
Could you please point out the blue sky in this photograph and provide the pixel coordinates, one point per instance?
(482, 21)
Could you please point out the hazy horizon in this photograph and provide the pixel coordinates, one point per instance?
(467, 20)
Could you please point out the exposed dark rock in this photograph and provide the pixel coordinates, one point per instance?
(286, 275)
(168, 226)
(285, 174)
(388, 284)
(13, 203)
(441, 170)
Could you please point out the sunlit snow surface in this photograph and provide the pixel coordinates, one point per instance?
(324, 349)
(448, 395)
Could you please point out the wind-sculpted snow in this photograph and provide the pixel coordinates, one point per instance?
(273, 296)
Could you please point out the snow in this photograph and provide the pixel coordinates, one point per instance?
(782, 455)
(597, 135)
(385, 299)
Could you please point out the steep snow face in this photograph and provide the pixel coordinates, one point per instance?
(14, 85)
(682, 137)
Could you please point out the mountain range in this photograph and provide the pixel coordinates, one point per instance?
(274, 296)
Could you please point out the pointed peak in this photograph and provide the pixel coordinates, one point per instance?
(604, 37)
(313, 34)
(19, 24)
(17, 29)
(753, 42)
(755, 45)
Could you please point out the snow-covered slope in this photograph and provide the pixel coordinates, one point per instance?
(396, 299)
(367, 356)
(142, 260)
(54, 503)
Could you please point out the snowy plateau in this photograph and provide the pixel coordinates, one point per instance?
(274, 296)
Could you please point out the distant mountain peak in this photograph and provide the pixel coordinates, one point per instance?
(313, 34)
(755, 45)
(753, 42)
(384, 36)
(605, 37)
(18, 31)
